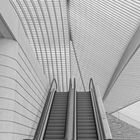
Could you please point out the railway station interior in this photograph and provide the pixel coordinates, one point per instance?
(69, 70)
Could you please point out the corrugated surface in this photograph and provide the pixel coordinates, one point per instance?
(23, 91)
(101, 30)
(45, 24)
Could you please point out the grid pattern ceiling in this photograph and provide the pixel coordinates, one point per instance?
(101, 31)
(46, 26)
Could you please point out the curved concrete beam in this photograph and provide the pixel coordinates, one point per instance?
(126, 57)
(12, 23)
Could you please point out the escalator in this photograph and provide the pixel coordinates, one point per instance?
(56, 126)
(73, 116)
(86, 127)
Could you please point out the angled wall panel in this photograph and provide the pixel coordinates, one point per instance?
(23, 90)
(126, 90)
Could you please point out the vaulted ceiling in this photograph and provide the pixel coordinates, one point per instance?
(101, 31)
(45, 24)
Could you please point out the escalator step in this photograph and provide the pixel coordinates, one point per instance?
(90, 122)
(49, 128)
(86, 127)
(83, 127)
(87, 135)
(88, 139)
(54, 137)
(57, 119)
(89, 131)
(55, 132)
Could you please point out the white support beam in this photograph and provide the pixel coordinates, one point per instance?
(127, 55)
(4, 30)
(12, 23)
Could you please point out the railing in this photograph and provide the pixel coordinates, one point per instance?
(74, 109)
(102, 125)
(45, 113)
(69, 124)
(71, 115)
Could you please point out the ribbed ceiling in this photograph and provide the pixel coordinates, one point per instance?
(101, 31)
(46, 25)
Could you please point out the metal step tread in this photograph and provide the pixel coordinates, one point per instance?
(86, 127)
(57, 119)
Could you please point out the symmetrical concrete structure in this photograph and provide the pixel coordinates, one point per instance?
(23, 91)
(45, 39)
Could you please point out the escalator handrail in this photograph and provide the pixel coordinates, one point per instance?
(74, 117)
(69, 121)
(100, 132)
(45, 113)
(100, 115)
(70, 84)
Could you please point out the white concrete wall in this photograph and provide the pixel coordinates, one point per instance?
(22, 91)
(126, 118)
(12, 22)
(21, 81)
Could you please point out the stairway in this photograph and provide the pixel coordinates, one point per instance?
(56, 126)
(86, 127)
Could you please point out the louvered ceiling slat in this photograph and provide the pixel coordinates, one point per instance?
(45, 23)
(101, 31)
